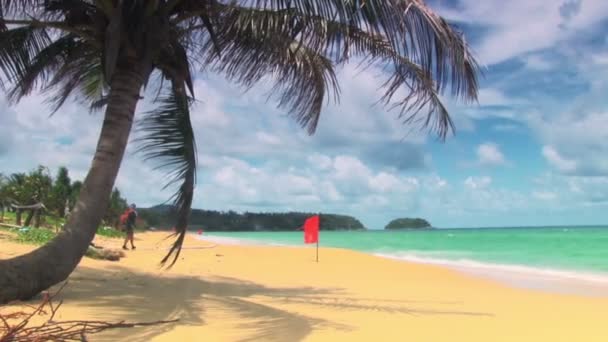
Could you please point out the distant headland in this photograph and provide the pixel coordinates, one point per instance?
(163, 217)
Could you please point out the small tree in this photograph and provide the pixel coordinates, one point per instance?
(3, 197)
(14, 188)
(61, 192)
(38, 184)
(28, 189)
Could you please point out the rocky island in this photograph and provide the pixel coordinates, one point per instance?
(408, 223)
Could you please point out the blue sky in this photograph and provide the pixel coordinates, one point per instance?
(532, 152)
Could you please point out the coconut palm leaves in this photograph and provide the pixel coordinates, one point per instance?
(169, 138)
(73, 48)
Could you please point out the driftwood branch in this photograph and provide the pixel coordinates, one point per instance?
(29, 207)
(51, 330)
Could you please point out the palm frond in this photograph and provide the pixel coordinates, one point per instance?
(173, 62)
(20, 8)
(83, 74)
(3, 26)
(169, 140)
(426, 68)
(18, 47)
(303, 83)
(251, 51)
(42, 66)
(422, 91)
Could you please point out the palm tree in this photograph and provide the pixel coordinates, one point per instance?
(104, 52)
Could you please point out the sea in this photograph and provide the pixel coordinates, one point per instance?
(555, 258)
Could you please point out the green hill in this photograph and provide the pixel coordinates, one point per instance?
(163, 217)
(408, 223)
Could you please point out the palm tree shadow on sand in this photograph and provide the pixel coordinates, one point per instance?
(117, 294)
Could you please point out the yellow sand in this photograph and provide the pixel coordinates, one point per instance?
(241, 293)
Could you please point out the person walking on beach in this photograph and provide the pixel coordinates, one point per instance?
(131, 216)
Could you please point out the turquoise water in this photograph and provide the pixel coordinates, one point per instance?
(578, 249)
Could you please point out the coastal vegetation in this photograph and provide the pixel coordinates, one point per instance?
(408, 223)
(58, 195)
(163, 217)
(104, 53)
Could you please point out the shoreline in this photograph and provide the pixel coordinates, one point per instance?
(222, 292)
(551, 280)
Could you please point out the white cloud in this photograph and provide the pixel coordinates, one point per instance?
(208, 111)
(600, 58)
(537, 62)
(575, 143)
(571, 192)
(320, 161)
(518, 27)
(544, 195)
(269, 139)
(348, 167)
(555, 159)
(435, 183)
(384, 182)
(478, 182)
(344, 185)
(493, 97)
(489, 154)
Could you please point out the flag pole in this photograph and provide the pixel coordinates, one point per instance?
(318, 233)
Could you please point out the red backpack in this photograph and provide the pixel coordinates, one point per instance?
(125, 216)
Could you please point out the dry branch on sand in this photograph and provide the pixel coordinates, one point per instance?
(50, 330)
(104, 253)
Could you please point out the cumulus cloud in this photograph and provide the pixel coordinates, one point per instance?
(513, 28)
(341, 184)
(575, 143)
(7, 127)
(569, 192)
(555, 159)
(493, 97)
(489, 154)
(320, 161)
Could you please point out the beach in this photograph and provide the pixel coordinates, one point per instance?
(222, 292)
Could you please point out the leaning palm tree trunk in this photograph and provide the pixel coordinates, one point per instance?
(27, 275)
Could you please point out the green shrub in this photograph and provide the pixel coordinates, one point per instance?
(110, 232)
(37, 236)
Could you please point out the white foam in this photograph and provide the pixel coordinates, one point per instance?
(473, 265)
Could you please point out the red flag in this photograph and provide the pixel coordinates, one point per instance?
(311, 229)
